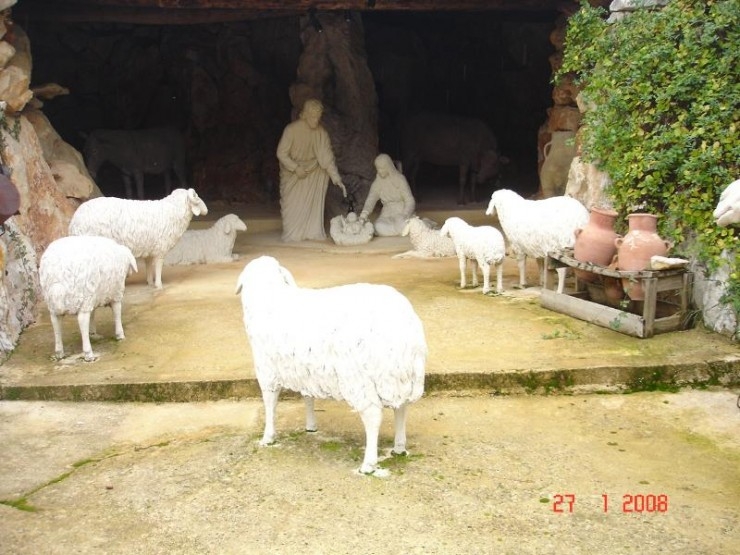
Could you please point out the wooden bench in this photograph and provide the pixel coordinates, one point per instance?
(637, 318)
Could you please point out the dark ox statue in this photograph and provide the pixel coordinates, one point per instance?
(135, 152)
(446, 140)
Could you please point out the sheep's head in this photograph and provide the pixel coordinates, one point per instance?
(231, 223)
(132, 267)
(448, 226)
(197, 206)
(263, 273)
(728, 207)
(491, 210)
(407, 226)
(497, 198)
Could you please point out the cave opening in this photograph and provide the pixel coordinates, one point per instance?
(225, 85)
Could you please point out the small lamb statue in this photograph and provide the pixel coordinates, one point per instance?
(207, 246)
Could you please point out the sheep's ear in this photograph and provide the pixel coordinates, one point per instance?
(287, 277)
(132, 267)
(227, 228)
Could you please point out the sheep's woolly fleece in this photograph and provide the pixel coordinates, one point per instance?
(79, 274)
(535, 227)
(150, 228)
(482, 244)
(426, 241)
(361, 343)
(207, 246)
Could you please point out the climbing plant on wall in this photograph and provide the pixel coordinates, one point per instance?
(664, 90)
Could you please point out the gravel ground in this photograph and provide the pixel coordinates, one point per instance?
(485, 474)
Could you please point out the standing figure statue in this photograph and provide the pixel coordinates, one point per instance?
(306, 165)
(392, 190)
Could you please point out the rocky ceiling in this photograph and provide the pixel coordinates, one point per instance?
(183, 12)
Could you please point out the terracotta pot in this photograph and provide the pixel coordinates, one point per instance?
(635, 249)
(595, 242)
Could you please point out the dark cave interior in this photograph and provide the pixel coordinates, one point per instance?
(225, 85)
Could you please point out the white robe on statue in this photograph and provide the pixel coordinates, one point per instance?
(393, 191)
(302, 200)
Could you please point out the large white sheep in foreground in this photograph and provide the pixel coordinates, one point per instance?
(360, 343)
(484, 245)
(150, 228)
(207, 246)
(426, 241)
(79, 274)
(728, 207)
(535, 227)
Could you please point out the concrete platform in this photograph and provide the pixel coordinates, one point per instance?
(187, 341)
(486, 472)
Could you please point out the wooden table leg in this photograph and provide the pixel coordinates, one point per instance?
(650, 287)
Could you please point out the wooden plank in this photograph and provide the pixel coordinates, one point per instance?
(604, 316)
(669, 323)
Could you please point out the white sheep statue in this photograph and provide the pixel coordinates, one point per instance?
(361, 343)
(79, 274)
(728, 207)
(150, 228)
(483, 245)
(426, 241)
(535, 227)
(207, 246)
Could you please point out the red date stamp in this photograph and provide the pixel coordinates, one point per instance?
(630, 503)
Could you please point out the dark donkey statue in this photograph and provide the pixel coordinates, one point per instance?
(136, 152)
(447, 140)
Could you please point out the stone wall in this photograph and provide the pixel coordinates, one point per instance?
(49, 175)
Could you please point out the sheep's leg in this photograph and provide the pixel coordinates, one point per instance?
(561, 278)
(158, 262)
(372, 417)
(154, 271)
(522, 263)
(149, 262)
(541, 269)
(463, 267)
(56, 324)
(310, 415)
(93, 327)
(486, 269)
(399, 443)
(83, 319)
(116, 307)
(500, 277)
(474, 273)
(139, 177)
(270, 399)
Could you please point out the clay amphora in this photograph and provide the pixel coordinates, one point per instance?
(635, 249)
(595, 242)
(559, 153)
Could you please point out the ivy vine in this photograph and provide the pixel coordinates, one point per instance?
(664, 89)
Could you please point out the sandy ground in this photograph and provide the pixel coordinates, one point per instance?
(510, 475)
